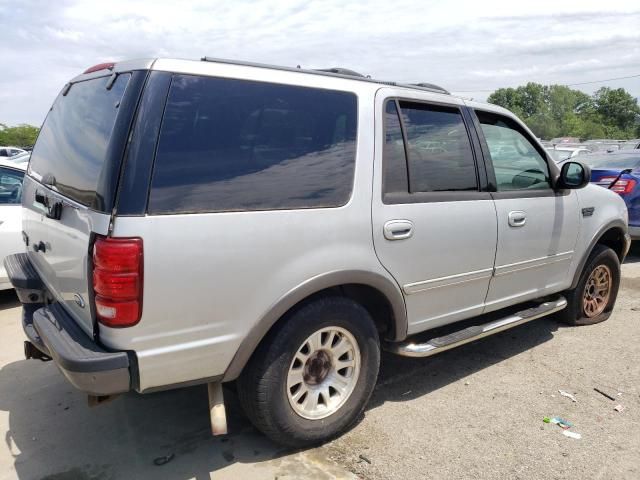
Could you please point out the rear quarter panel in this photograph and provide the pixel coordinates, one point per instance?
(209, 278)
(633, 204)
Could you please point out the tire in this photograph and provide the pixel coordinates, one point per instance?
(579, 310)
(273, 399)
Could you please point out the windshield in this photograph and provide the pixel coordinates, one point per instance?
(72, 146)
(20, 158)
(613, 162)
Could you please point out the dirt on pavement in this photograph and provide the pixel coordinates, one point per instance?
(472, 412)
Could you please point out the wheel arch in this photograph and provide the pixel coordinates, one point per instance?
(613, 235)
(378, 294)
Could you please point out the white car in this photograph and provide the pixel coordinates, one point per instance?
(560, 154)
(11, 175)
(20, 158)
(9, 152)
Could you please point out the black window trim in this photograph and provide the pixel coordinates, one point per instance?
(397, 198)
(491, 176)
(143, 140)
(404, 144)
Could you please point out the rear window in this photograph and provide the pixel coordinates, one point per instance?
(229, 144)
(72, 145)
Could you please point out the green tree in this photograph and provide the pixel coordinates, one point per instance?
(557, 111)
(20, 136)
(617, 108)
(525, 101)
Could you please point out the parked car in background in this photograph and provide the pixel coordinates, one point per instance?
(603, 145)
(11, 176)
(10, 151)
(563, 140)
(20, 158)
(605, 168)
(560, 154)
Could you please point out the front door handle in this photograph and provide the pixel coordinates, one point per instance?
(517, 218)
(398, 229)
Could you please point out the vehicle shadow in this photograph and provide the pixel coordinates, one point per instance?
(634, 253)
(8, 299)
(403, 378)
(54, 435)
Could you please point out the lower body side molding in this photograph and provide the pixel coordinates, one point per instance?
(469, 334)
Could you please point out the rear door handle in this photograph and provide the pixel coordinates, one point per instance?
(517, 218)
(398, 229)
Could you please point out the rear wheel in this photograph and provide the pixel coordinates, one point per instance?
(311, 378)
(594, 297)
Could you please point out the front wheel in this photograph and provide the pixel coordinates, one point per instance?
(594, 297)
(311, 378)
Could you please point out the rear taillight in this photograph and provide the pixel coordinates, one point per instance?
(117, 280)
(622, 186)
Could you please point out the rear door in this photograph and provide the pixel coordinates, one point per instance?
(71, 183)
(434, 228)
(537, 226)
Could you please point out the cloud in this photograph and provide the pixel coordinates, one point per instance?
(461, 45)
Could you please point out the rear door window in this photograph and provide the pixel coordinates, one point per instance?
(228, 144)
(440, 155)
(72, 146)
(427, 149)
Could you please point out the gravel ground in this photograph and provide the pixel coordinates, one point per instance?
(472, 412)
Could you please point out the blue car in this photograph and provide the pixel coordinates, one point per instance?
(605, 168)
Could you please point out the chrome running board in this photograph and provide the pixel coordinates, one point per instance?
(455, 339)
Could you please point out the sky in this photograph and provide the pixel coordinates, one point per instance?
(467, 47)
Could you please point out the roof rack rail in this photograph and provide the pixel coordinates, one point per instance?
(431, 86)
(341, 71)
(333, 72)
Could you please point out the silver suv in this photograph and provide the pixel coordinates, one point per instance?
(211, 221)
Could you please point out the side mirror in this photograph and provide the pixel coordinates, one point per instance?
(574, 175)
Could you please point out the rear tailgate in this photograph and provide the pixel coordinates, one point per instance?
(72, 179)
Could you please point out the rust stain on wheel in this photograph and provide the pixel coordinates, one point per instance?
(597, 291)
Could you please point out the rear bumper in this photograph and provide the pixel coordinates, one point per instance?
(87, 365)
(634, 232)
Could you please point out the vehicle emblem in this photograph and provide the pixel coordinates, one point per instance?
(588, 211)
(78, 299)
